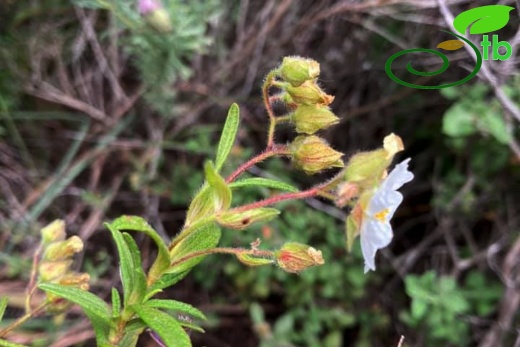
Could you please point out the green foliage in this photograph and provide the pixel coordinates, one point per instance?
(439, 305)
(228, 136)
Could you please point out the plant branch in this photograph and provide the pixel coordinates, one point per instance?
(221, 250)
(23, 319)
(270, 152)
(272, 119)
(279, 198)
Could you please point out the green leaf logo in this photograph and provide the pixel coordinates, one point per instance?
(482, 20)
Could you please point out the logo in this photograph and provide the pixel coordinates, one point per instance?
(480, 20)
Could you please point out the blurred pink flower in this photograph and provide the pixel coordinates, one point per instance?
(146, 6)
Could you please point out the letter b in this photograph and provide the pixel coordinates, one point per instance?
(496, 45)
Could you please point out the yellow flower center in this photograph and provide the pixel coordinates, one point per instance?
(381, 215)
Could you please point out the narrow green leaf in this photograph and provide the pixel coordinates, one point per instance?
(191, 326)
(126, 264)
(228, 136)
(253, 261)
(263, 182)
(135, 223)
(220, 190)
(3, 306)
(4, 343)
(206, 237)
(176, 306)
(242, 220)
(201, 206)
(482, 19)
(139, 289)
(116, 303)
(95, 309)
(167, 327)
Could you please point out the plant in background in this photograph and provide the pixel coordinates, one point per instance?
(363, 185)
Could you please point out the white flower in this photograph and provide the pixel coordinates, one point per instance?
(376, 232)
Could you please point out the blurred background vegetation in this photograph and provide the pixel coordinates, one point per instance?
(102, 114)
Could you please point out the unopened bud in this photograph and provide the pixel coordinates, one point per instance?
(63, 249)
(49, 271)
(242, 220)
(155, 15)
(295, 257)
(53, 232)
(367, 168)
(392, 145)
(311, 118)
(76, 279)
(312, 154)
(309, 93)
(297, 70)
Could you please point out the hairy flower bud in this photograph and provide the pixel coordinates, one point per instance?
(312, 154)
(53, 232)
(63, 249)
(369, 168)
(311, 118)
(52, 270)
(295, 257)
(308, 93)
(297, 70)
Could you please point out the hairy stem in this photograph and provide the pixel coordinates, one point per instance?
(270, 152)
(221, 250)
(270, 78)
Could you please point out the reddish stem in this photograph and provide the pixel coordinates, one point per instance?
(270, 152)
(278, 198)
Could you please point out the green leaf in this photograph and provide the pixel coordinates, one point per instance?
(135, 223)
(95, 309)
(485, 19)
(494, 124)
(167, 327)
(116, 303)
(201, 206)
(139, 289)
(458, 121)
(203, 238)
(242, 220)
(228, 136)
(126, 263)
(4, 343)
(263, 182)
(253, 261)
(3, 306)
(419, 308)
(220, 190)
(176, 306)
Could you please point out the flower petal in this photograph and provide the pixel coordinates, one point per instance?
(374, 236)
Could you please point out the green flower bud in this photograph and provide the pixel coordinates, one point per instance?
(297, 70)
(63, 249)
(295, 257)
(159, 20)
(311, 118)
(309, 93)
(53, 232)
(369, 168)
(312, 154)
(242, 220)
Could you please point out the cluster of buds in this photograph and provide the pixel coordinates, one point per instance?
(56, 262)
(372, 193)
(310, 112)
